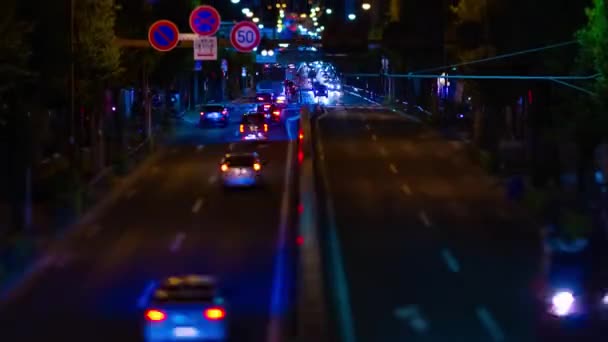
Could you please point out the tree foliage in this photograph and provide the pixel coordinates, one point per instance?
(15, 50)
(97, 57)
(594, 44)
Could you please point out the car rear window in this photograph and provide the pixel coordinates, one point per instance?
(240, 161)
(185, 293)
(253, 119)
(212, 109)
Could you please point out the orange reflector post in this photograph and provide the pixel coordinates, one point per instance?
(257, 166)
(241, 128)
(265, 127)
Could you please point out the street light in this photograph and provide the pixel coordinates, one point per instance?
(235, 1)
(245, 10)
(352, 16)
(256, 20)
(366, 6)
(261, 26)
(303, 15)
(249, 14)
(328, 11)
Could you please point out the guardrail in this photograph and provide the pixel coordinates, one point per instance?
(312, 312)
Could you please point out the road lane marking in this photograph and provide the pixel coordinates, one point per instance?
(200, 147)
(374, 137)
(131, 193)
(367, 127)
(231, 146)
(490, 324)
(415, 319)
(450, 260)
(424, 218)
(142, 301)
(383, 151)
(278, 298)
(212, 179)
(393, 168)
(177, 242)
(155, 170)
(406, 189)
(197, 205)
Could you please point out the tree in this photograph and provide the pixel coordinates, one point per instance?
(594, 45)
(15, 50)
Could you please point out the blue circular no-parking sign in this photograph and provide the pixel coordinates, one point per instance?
(163, 35)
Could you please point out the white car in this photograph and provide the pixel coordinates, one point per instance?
(241, 170)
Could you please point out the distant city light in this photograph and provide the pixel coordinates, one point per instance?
(318, 9)
(328, 11)
(303, 15)
(245, 10)
(352, 16)
(249, 14)
(256, 20)
(235, 1)
(261, 26)
(366, 6)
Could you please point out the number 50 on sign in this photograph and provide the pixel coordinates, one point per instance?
(245, 36)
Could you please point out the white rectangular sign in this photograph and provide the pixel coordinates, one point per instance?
(205, 49)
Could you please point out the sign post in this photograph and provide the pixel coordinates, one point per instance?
(163, 35)
(205, 49)
(245, 36)
(205, 20)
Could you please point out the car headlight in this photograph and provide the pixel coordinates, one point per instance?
(605, 299)
(562, 303)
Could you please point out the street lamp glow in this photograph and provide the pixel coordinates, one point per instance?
(261, 26)
(284, 6)
(256, 20)
(278, 5)
(249, 14)
(235, 1)
(303, 15)
(328, 11)
(264, 53)
(245, 10)
(366, 6)
(315, 23)
(270, 53)
(352, 16)
(314, 19)
(318, 9)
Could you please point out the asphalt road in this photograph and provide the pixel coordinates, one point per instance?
(174, 219)
(428, 247)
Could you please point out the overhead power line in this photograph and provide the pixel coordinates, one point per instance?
(502, 56)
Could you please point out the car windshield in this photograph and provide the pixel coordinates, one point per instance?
(239, 161)
(198, 293)
(211, 109)
(253, 119)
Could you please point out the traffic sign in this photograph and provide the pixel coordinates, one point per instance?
(163, 35)
(245, 36)
(205, 20)
(205, 49)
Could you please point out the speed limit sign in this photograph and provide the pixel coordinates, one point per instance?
(245, 36)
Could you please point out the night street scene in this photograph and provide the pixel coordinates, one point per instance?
(304, 170)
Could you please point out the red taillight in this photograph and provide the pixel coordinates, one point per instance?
(276, 112)
(265, 127)
(301, 136)
(242, 128)
(215, 314)
(155, 315)
(266, 106)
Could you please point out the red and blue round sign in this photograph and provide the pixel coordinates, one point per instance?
(205, 20)
(245, 36)
(163, 35)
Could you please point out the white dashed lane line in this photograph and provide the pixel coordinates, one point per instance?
(406, 189)
(450, 260)
(393, 168)
(374, 137)
(177, 242)
(424, 218)
(490, 324)
(197, 205)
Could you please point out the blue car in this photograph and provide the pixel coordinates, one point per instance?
(185, 308)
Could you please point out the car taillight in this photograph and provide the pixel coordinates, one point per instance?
(155, 315)
(266, 106)
(224, 167)
(276, 112)
(242, 128)
(225, 112)
(202, 113)
(215, 314)
(301, 136)
(265, 127)
(257, 166)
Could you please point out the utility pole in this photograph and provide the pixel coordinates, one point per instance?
(72, 79)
